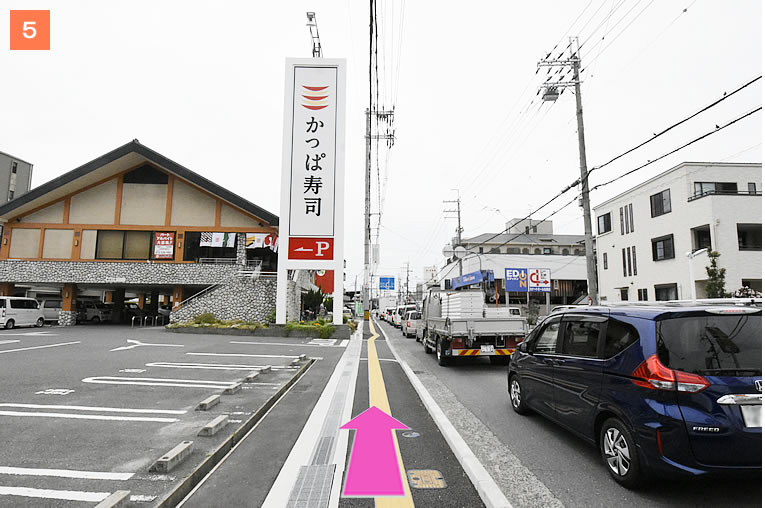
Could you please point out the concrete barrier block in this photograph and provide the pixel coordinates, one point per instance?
(208, 403)
(249, 378)
(214, 426)
(232, 389)
(265, 369)
(115, 500)
(171, 459)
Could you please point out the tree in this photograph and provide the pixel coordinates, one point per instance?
(312, 301)
(716, 275)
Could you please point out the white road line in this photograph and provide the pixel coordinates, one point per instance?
(154, 381)
(65, 473)
(39, 347)
(67, 495)
(137, 343)
(212, 366)
(285, 344)
(251, 356)
(8, 341)
(94, 408)
(30, 334)
(88, 417)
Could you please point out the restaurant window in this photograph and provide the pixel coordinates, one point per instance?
(130, 245)
(109, 244)
(661, 203)
(137, 245)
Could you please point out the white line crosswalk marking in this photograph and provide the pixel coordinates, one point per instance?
(65, 495)
(65, 473)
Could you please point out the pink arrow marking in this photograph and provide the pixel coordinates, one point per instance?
(373, 469)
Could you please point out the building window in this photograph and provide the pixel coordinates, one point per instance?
(494, 250)
(632, 220)
(14, 167)
(480, 250)
(605, 261)
(525, 250)
(537, 251)
(755, 284)
(661, 203)
(663, 247)
(564, 252)
(665, 292)
(604, 223)
(634, 261)
(752, 188)
(705, 188)
(547, 250)
(527, 230)
(513, 250)
(135, 245)
(749, 236)
(629, 262)
(643, 295)
(621, 218)
(534, 229)
(624, 294)
(701, 237)
(624, 262)
(578, 252)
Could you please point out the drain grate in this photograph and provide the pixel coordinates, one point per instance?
(313, 487)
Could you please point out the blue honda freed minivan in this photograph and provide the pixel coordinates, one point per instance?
(660, 388)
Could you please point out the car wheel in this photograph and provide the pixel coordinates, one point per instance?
(96, 319)
(40, 322)
(9, 324)
(443, 360)
(619, 453)
(518, 396)
(428, 349)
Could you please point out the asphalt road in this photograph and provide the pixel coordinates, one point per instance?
(557, 462)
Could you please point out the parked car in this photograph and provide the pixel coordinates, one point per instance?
(95, 312)
(388, 315)
(50, 308)
(410, 322)
(20, 311)
(165, 309)
(133, 310)
(660, 388)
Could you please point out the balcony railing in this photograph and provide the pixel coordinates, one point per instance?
(699, 195)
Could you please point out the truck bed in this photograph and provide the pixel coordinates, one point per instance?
(477, 327)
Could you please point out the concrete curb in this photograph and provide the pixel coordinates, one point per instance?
(341, 332)
(181, 491)
(487, 488)
(115, 500)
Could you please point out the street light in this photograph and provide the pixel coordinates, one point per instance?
(692, 255)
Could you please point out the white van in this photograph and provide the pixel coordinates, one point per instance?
(20, 311)
(50, 308)
(400, 311)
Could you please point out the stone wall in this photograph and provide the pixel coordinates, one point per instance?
(90, 272)
(67, 318)
(293, 301)
(241, 298)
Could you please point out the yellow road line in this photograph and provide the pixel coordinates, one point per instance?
(378, 396)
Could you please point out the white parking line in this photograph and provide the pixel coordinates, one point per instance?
(308, 344)
(8, 341)
(66, 495)
(65, 473)
(252, 356)
(211, 366)
(88, 417)
(30, 334)
(39, 347)
(157, 381)
(94, 408)
(138, 343)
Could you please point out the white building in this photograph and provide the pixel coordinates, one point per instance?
(645, 234)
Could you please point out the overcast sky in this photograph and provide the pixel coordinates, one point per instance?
(202, 83)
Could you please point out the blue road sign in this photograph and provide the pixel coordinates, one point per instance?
(388, 283)
(516, 279)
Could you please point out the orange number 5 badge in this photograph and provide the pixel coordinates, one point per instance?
(30, 30)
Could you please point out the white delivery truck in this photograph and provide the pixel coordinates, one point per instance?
(458, 323)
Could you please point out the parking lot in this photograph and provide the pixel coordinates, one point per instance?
(86, 411)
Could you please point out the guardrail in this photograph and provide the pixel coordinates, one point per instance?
(699, 195)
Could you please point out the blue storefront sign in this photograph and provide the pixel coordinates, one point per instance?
(472, 278)
(516, 279)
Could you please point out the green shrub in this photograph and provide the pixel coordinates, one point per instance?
(205, 317)
(271, 317)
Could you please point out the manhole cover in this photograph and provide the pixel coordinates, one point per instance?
(426, 479)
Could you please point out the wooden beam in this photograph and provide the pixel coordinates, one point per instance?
(67, 207)
(218, 208)
(118, 205)
(42, 241)
(169, 204)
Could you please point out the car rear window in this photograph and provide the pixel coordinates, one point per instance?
(712, 344)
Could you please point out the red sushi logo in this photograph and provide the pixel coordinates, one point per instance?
(315, 97)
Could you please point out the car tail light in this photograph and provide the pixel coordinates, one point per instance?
(652, 374)
(409, 324)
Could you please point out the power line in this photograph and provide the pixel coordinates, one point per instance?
(717, 129)
(655, 136)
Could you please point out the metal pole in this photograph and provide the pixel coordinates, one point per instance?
(592, 281)
(367, 221)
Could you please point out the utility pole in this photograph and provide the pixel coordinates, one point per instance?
(459, 221)
(551, 93)
(406, 295)
(314, 29)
